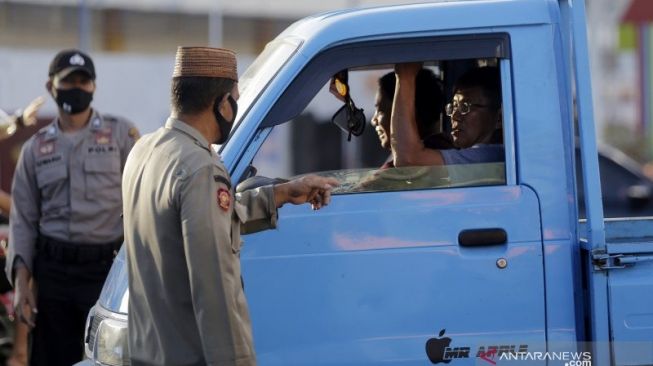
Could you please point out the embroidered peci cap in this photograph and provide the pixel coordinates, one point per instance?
(206, 62)
(69, 61)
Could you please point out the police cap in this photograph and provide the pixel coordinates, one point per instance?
(68, 61)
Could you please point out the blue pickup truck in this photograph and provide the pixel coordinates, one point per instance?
(464, 265)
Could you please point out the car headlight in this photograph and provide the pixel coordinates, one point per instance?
(106, 337)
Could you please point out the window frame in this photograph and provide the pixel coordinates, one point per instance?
(303, 88)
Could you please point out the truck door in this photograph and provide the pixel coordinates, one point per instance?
(406, 266)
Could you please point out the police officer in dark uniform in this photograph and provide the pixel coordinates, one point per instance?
(65, 223)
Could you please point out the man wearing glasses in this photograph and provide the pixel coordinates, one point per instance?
(475, 113)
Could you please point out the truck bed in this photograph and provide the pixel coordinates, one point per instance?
(625, 231)
(626, 265)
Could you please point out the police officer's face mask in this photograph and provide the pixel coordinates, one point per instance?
(73, 101)
(223, 124)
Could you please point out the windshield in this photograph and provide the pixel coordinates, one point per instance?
(262, 70)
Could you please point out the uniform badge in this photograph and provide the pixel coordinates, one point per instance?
(46, 147)
(103, 137)
(224, 199)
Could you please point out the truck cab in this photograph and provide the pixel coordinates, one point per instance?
(471, 264)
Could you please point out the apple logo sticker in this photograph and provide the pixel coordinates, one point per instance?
(435, 348)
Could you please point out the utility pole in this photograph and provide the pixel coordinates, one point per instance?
(216, 25)
(84, 26)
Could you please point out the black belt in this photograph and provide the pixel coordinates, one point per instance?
(79, 253)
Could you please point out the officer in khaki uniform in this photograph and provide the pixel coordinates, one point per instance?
(182, 224)
(65, 222)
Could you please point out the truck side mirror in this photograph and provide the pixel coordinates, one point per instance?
(350, 119)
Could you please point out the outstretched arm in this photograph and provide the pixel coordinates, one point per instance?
(311, 189)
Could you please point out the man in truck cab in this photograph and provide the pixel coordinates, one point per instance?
(429, 100)
(475, 112)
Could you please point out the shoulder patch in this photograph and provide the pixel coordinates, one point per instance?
(110, 118)
(224, 199)
(133, 133)
(46, 129)
(48, 132)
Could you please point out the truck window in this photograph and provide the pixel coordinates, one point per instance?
(308, 136)
(316, 142)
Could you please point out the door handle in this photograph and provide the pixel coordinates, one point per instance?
(482, 237)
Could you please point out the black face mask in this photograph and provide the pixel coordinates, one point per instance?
(223, 124)
(73, 101)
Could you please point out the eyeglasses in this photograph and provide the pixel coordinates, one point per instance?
(462, 108)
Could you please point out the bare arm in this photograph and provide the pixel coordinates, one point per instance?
(5, 202)
(24, 300)
(311, 189)
(407, 147)
(23, 229)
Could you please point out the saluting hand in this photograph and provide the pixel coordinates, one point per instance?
(29, 114)
(313, 189)
(408, 69)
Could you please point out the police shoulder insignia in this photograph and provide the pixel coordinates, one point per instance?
(224, 199)
(133, 133)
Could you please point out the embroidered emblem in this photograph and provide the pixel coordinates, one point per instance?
(224, 199)
(46, 147)
(103, 137)
(77, 59)
(51, 132)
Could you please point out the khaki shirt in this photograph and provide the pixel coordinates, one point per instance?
(69, 188)
(182, 233)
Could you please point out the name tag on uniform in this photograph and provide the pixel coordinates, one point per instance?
(48, 160)
(101, 149)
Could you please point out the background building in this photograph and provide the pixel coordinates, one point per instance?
(133, 43)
